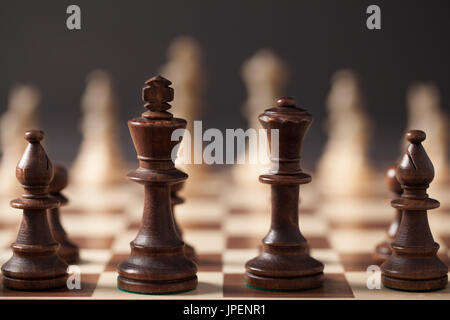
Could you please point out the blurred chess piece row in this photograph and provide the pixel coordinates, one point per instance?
(343, 170)
(99, 163)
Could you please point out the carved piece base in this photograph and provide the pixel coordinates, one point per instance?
(382, 251)
(189, 252)
(34, 285)
(414, 285)
(284, 284)
(157, 287)
(298, 272)
(69, 252)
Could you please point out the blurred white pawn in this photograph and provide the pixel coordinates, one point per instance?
(99, 162)
(344, 169)
(20, 117)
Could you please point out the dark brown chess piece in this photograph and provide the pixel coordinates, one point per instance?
(383, 250)
(157, 263)
(414, 265)
(284, 263)
(189, 250)
(35, 264)
(67, 250)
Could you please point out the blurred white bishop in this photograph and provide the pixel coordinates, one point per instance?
(265, 76)
(99, 162)
(424, 113)
(20, 117)
(344, 169)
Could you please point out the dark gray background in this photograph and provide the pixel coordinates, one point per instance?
(315, 38)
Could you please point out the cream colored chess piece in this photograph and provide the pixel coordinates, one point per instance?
(99, 162)
(265, 77)
(424, 113)
(20, 117)
(184, 68)
(344, 169)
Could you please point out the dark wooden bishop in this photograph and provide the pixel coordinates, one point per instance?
(414, 265)
(67, 250)
(189, 250)
(284, 263)
(35, 264)
(383, 250)
(157, 263)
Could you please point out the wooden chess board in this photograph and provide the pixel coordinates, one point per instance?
(225, 224)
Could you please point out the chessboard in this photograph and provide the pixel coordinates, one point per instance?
(225, 224)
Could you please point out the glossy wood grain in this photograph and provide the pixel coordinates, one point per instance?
(414, 264)
(35, 264)
(157, 263)
(285, 263)
(68, 250)
(383, 250)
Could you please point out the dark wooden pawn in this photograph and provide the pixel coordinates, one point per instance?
(284, 263)
(383, 250)
(67, 250)
(189, 250)
(414, 264)
(35, 264)
(157, 263)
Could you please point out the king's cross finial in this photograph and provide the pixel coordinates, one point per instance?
(157, 94)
